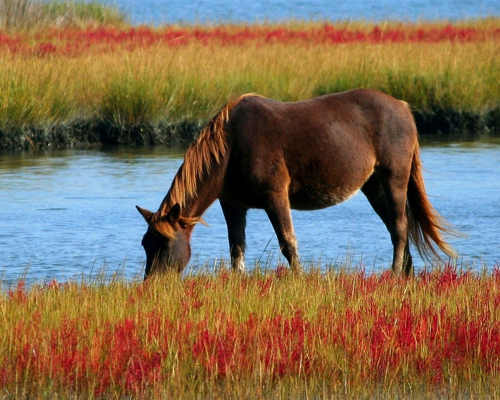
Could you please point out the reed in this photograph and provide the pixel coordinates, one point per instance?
(335, 334)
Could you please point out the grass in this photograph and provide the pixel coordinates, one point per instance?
(335, 334)
(40, 14)
(125, 84)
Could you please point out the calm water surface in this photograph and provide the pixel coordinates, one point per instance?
(246, 11)
(69, 214)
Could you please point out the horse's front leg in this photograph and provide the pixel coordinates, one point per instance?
(236, 217)
(278, 211)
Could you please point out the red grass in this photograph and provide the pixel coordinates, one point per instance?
(74, 41)
(376, 341)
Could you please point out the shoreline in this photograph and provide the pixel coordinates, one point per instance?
(84, 133)
(443, 124)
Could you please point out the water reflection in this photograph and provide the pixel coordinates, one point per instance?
(68, 213)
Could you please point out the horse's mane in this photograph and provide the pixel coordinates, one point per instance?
(208, 149)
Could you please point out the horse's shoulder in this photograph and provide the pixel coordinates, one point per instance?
(254, 107)
(252, 100)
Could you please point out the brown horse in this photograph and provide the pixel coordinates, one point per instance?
(261, 153)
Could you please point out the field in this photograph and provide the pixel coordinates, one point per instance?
(273, 334)
(109, 82)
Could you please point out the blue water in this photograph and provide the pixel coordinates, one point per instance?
(69, 214)
(248, 11)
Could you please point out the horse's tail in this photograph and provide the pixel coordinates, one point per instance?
(425, 225)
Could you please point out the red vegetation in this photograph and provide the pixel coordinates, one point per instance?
(74, 41)
(373, 341)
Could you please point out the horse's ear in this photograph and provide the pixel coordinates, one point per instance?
(174, 214)
(145, 213)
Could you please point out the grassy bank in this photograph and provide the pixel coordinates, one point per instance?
(265, 335)
(140, 85)
(43, 14)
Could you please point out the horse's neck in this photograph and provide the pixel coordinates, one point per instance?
(207, 192)
(195, 200)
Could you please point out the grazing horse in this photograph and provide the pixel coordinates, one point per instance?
(307, 155)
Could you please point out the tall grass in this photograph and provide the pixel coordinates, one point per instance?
(195, 80)
(31, 14)
(337, 334)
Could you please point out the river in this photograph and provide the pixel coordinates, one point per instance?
(71, 214)
(241, 11)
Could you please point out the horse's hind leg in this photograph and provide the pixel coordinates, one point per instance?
(236, 221)
(278, 211)
(387, 196)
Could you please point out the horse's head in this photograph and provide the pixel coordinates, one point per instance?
(166, 242)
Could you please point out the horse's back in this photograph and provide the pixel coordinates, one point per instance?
(357, 114)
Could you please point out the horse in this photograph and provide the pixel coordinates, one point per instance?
(262, 153)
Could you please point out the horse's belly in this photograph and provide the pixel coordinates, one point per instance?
(311, 198)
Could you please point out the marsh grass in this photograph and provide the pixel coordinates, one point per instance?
(129, 100)
(195, 82)
(36, 14)
(270, 334)
(128, 80)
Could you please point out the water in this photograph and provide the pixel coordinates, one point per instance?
(68, 214)
(174, 11)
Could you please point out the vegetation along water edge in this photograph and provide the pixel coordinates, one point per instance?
(87, 76)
